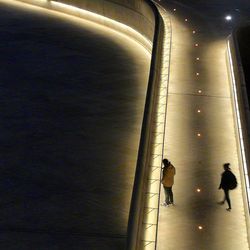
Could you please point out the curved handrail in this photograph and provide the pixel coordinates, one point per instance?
(137, 201)
(242, 118)
(165, 115)
(241, 108)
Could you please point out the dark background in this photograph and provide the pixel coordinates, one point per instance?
(243, 36)
(71, 107)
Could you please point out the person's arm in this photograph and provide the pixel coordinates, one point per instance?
(173, 171)
(163, 173)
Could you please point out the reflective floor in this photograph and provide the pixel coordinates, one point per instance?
(200, 137)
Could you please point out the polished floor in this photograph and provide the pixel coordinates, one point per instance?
(200, 137)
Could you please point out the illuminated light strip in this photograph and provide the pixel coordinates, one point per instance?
(41, 1)
(31, 1)
(151, 209)
(236, 104)
(146, 43)
(116, 26)
(38, 3)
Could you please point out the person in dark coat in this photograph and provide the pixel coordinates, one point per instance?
(168, 181)
(227, 179)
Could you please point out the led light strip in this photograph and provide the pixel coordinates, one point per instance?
(106, 21)
(119, 27)
(152, 196)
(239, 126)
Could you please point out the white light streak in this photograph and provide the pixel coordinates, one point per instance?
(150, 218)
(239, 126)
(86, 15)
(118, 26)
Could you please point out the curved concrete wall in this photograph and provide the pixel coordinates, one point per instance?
(143, 16)
(244, 112)
(244, 108)
(136, 14)
(135, 225)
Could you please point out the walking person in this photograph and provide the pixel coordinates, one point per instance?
(168, 181)
(228, 182)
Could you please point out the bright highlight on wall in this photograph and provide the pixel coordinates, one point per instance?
(93, 17)
(132, 33)
(239, 125)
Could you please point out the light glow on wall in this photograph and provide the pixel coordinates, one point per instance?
(239, 125)
(152, 195)
(116, 26)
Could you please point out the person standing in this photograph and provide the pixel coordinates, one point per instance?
(168, 182)
(228, 182)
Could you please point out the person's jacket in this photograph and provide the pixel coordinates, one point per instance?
(226, 180)
(168, 176)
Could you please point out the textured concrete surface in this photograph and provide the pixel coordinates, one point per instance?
(134, 13)
(198, 159)
(72, 100)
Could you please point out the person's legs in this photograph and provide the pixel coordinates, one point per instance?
(227, 198)
(166, 195)
(171, 196)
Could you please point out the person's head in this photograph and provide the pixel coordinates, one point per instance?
(166, 162)
(226, 166)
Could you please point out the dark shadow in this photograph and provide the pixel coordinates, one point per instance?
(70, 107)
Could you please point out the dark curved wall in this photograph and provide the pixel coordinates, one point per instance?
(243, 38)
(243, 103)
(43, 177)
(139, 15)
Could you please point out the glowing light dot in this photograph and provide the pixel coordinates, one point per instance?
(197, 58)
(199, 91)
(196, 45)
(198, 190)
(174, 9)
(197, 73)
(228, 18)
(200, 227)
(199, 134)
(194, 31)
(198, 110)
(186, 20)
